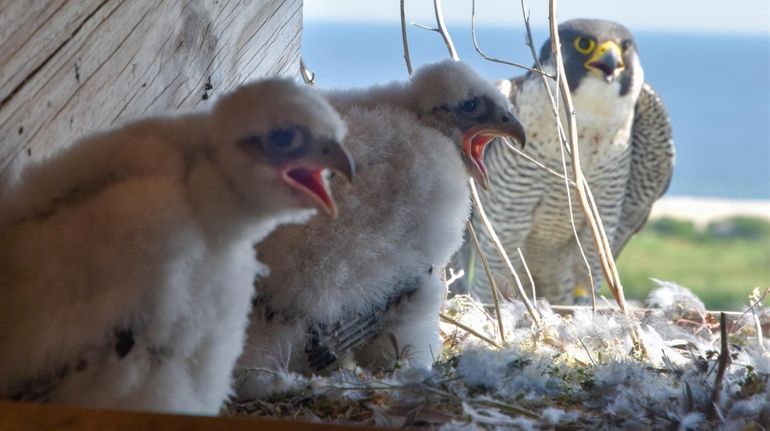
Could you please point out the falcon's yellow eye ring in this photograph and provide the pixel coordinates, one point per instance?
(584, 45)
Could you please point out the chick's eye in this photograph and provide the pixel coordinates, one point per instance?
(281, 139)
(469, 105)
(584, 45)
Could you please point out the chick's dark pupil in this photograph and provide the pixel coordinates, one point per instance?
(468, 105)
(281, 137)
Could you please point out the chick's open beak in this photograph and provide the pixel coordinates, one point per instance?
(502, 124)
(606, 61)
(307, 174)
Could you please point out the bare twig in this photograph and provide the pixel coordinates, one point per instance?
(562, 147)
(481, 309)
(758, 326)
(491, 232)
(521, 153)
(492, 283)
(492, 59)
(489, 403)
(424, 27)
(587, 203)
(476, 201)
(724, 360)
(529, 274)
(441, 29)
(529, 41)
(453, 276)
(307, 75)
(469, 330)
(756, 301)
(588, 352)
(405, 40)
(507, 408)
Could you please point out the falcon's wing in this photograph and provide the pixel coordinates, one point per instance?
(652, 163)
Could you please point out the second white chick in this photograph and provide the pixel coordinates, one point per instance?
(368, 285)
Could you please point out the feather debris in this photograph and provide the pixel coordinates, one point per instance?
(575, 371)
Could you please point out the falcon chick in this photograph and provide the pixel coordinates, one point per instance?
(126, 264)
(627, 155)
(367, 285)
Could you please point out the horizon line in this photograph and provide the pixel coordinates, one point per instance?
(709, 31)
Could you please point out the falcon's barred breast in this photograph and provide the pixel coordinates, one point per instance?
(626, 150)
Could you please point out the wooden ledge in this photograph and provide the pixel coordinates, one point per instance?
(28, 416)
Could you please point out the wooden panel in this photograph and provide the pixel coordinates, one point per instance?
(71, 67)
(32, 417)
(26, 39)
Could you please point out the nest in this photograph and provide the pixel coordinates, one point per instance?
(576, 370)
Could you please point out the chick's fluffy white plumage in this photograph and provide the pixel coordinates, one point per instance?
(400, 222)
(126, 259)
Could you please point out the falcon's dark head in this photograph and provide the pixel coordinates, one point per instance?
(597, 49)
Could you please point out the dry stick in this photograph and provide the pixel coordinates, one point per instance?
(724, 360)
(492, 59)
(307, 75)
(489, 403)
(405, 40)
(441, 29)
(453, 276)
(529, 274)
(753, 304)
(542, 166)
(476, 201)
(580, 182)
(562, 147)
(758, 326)
(538, 69)
(757, 323)
(469, 330)
(562, 150)
(589, 211)
(491, 232)
(492, 283)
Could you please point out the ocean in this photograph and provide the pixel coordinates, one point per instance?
(716, 88)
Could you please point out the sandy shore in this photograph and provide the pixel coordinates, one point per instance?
(701, 211)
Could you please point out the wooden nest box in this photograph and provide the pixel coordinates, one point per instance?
(68, 68)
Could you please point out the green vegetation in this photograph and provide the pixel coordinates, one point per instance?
(721, 264)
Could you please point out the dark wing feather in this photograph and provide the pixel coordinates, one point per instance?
(652, 163)
(328, 343)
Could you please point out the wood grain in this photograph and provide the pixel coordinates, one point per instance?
(69, 67)
(33, 417)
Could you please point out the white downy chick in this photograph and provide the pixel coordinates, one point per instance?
(368, 284)
(126, 264)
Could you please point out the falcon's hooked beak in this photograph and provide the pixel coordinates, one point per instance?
(607, 61)
(307, 174)
(502, 124)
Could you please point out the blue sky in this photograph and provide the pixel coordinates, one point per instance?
(711, 16)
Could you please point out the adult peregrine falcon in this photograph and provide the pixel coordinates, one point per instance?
(626, 150)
